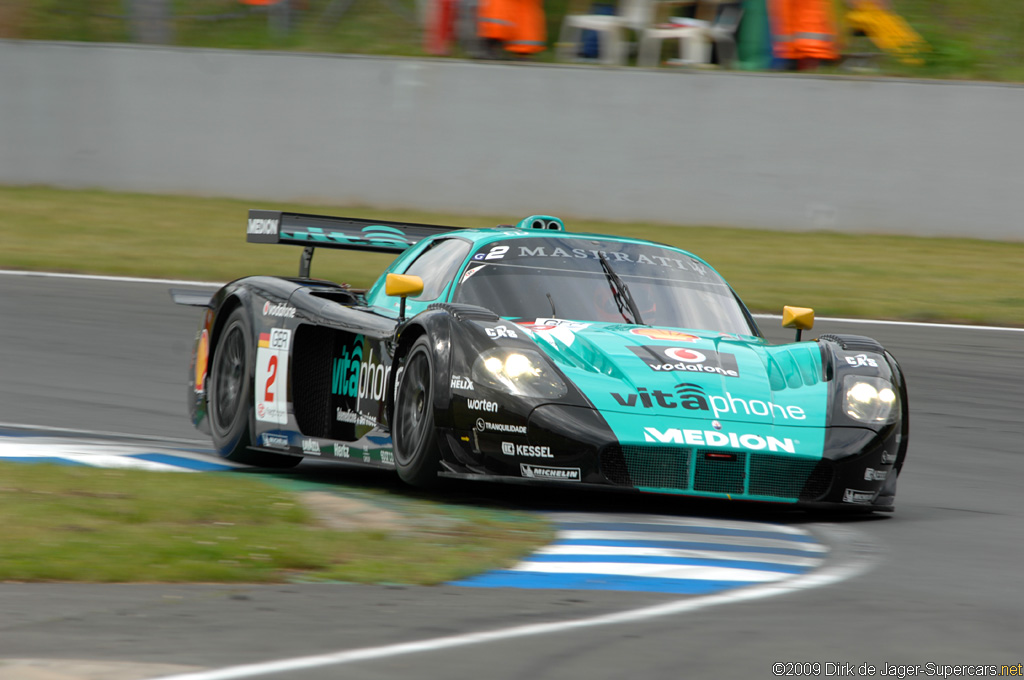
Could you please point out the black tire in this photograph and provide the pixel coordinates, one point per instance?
(417, 456)
(230, 396)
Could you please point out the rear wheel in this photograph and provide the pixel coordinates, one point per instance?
(417, 456)
(230, 396)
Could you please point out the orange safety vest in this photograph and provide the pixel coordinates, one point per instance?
(803, 29)
(518, 24)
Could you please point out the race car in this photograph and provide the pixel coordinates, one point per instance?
(528, 353)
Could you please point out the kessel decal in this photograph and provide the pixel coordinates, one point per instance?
(665, 359)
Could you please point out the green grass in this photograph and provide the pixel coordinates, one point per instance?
(894, 277)
(115, 526)
(981, 39)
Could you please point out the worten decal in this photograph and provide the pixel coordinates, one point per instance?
(728, 440)
(667, 359)
(691, 397)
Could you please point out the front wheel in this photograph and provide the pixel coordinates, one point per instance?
(230, 397)
(417, 456)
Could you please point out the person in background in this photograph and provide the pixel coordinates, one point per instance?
(803, 32)
(515, 27)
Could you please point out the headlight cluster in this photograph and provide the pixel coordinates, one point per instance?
(522, 372)
(870, 400)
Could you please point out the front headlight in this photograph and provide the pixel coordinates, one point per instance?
(870, 400)
(522, 372)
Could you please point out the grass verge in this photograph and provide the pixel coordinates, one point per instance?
(116, 526)
(893, 277)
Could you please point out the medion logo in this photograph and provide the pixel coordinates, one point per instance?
(262, 226)
(693, 398)
(731, 440)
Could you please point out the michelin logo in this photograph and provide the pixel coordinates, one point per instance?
(541, 472)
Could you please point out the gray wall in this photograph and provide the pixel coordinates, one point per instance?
(763, 151)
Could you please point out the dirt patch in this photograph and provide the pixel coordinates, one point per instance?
(349, 514)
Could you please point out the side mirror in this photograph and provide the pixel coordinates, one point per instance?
(402, 285)
(800, 318)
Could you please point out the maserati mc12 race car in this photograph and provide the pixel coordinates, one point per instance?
(531, 354)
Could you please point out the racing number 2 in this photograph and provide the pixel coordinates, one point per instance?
(272, 369)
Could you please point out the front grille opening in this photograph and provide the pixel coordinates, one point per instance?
(659, 467)
(736, 473)
(782, 476)
(720, 475)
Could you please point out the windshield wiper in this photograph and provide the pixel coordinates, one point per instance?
(623, 300)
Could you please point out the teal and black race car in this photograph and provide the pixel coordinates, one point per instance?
(527, 353)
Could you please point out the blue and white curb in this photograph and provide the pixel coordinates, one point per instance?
(34, 448)
(661, 554)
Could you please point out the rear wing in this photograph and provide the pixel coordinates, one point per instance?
(381, 236)
(321, 231)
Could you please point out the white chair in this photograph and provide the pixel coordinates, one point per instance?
(635, 15)
(695, 39)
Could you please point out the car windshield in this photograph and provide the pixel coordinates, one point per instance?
(529, 278)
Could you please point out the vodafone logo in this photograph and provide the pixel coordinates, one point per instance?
(281, 309)
(668, 359)
(688, 356)
(664, 334)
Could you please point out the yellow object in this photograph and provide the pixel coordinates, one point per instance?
(800, 318)
(403, 285)
(887, 30)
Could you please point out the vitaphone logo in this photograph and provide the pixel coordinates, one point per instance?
(692, 398)
(666, 359)
(353, 377)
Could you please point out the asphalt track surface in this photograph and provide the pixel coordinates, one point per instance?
(944, 584)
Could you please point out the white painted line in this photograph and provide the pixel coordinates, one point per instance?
(857, 564)
(688, 572)
(580, 518)
(639, 551)
(571, 534)
(91, 458)
(98, 277)
(212, 284)
(102, 434)
(916, 324)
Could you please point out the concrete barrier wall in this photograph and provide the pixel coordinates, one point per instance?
(751, 150)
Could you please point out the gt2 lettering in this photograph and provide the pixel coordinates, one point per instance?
(861, 360)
